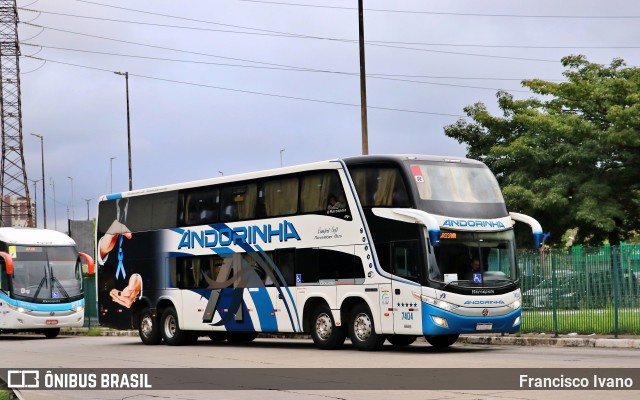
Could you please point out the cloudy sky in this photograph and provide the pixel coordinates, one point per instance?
(225, 85)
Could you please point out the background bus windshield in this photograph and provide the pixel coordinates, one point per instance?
(492, 252)
(46, 273)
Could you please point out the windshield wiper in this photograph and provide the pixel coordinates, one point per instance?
(44, 279)
(62, 289)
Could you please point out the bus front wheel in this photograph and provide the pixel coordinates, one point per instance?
(171, 332)
(401, 340)
(441, 341)
(326, 335)
(51, 333)
(148, 328)
(362, 329)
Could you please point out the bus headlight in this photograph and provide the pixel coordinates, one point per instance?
(435, 302)
(19, 309)
(440, 321)
(517, 321)
(515, 305)
(78, 309)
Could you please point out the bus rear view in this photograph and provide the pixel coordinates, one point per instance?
(40, 281)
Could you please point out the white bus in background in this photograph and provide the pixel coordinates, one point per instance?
(40, 281)
(372, 248)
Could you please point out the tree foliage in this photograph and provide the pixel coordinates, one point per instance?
(569, 156)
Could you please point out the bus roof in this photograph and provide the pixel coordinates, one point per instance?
(329, 164)
(35, 236)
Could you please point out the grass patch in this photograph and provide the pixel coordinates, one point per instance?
(94, 332)
(600, 321)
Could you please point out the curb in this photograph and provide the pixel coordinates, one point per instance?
(608, 343)
(552, 342)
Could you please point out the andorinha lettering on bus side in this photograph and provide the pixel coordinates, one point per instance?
(239, 235)
(568, 382)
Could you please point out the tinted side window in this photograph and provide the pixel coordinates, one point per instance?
(323, 193)
(380, 187)
(239, 202)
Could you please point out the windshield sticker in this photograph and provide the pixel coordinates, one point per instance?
(450, 278)
(12, 251)
(417, 173)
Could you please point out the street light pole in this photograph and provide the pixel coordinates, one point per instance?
(281, 151)
(44, 195)
(35, 199)
(72, 216)
(126, 77)
(111, 173)
(55, 205)
(88, 200)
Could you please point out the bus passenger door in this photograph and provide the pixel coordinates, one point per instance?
(407, 315)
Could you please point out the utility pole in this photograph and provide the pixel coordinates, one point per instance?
(13, 177)
(363, 83)
(126, 77)
(55, 205)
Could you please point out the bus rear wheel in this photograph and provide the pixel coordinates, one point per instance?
(401, 340)
(241, 337)
(326, 335)
(51, 333)
(441, 341)
(171, 332)
(362, 330)
(148, 328)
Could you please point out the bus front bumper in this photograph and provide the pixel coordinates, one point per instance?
(436, 321)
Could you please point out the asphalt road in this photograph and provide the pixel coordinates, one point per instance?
(34, 352)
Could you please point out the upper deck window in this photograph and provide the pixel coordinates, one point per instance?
(380, 187)
(464, 183)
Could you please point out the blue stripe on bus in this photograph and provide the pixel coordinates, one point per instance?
(266, 314)
(286, 287)
(40, 306)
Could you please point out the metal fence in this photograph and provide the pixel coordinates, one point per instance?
(586, 290)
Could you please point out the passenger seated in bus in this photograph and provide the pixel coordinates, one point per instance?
(335, 203)
(129, 294)
(473, 268)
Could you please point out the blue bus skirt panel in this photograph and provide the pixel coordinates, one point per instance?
(462, 324)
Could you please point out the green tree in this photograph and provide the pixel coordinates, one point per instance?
(570, 156)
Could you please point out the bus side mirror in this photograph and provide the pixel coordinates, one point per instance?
(535, 227)
(8, 262)
(91, 266)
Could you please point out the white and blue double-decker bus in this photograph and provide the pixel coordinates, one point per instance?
(373, 247)
(41, 286)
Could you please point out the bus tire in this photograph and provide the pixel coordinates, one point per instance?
(362, 329)
(171, 332)
(149, 328)
(217, 336)
(241, 337)
(51, 333)
(401, 340)
(441, 341)
(326, 335)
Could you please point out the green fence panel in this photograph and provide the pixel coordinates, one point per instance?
(90, 302)
(583, 290)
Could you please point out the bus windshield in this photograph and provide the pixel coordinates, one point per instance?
(46, 273)
(491, 252)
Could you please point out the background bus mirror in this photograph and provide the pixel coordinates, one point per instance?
(90, 265)
(8, 262)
